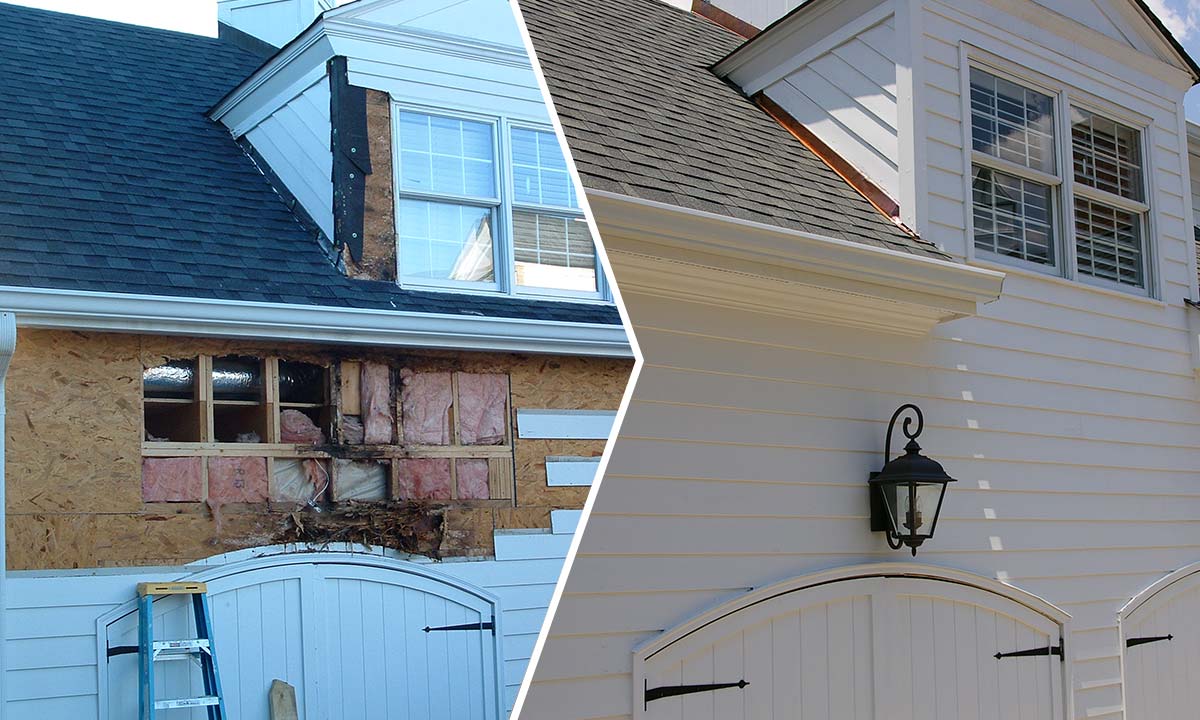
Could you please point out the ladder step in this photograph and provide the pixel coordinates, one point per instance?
(171, 588)
(186, 702)
(191, 645)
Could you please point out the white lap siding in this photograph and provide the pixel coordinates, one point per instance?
(744, 457)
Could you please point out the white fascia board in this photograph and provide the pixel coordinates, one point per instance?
(114, 312)
(300, 62)
(814, 28)
(784, 256)
(267, 86)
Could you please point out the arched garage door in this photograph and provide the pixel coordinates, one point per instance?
(347, 631)
(1162, 676)
(858, 645)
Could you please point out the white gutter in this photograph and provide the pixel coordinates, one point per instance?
(8, 343)
(634, 225)
(116, 312)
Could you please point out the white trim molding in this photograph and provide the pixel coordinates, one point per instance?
(565, 424)
(665, 250)
(115, 312)
(278, 80)
(8, 344)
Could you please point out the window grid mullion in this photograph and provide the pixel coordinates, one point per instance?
(1107, 198)
(1011, 168)
(1066, 191)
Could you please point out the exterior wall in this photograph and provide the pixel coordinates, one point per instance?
(379, 207)
(52, 639)
(847, 98)
(75, 444)
(294, 140)
(1068, 416)
(1128, 89)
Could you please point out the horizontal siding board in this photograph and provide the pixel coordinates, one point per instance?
(571, 471)
(565, 424)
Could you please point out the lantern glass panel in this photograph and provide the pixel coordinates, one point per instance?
(917, 509)
(913, 507)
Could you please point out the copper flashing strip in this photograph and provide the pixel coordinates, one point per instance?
(868, 189)
(707, 10)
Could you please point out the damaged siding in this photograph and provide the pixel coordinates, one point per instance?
(76, 479)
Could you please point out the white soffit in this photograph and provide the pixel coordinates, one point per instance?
(667, 251)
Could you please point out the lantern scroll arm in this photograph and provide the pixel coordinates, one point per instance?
(887, 443)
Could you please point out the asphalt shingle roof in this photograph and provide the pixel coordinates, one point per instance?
(112, 179)
(646, 117)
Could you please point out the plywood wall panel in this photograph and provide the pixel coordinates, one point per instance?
(75, 443)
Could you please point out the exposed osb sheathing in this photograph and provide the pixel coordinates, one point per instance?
(379, 244)
(75, 463)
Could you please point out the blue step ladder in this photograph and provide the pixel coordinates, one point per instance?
(199, 649)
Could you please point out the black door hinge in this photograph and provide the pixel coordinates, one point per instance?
(1134, 642)
(489, 625)
(1034, 652)
(658, 693)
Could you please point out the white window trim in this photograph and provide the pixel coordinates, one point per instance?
(1065, 97)
(502, 205)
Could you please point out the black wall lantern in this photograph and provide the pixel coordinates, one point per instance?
(906, 495)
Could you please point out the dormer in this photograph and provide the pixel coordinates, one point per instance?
(413, 136)
(1039, 137)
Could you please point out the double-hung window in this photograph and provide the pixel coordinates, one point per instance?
(487, 205)
(449, 200)
(1085, 219)
(552, 246)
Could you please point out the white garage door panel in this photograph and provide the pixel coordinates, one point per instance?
(1162, 679)
(350, 638)
(862, 649)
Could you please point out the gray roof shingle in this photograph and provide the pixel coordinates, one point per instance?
(646, 117)
(112, 179)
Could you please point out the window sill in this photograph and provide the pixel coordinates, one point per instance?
(520, 295)
(1008, 269)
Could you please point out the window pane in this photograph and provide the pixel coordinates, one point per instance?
(1012, 122)
(1108, 155)
(539, 170)
(553, 251)
(1108, 242)
(446, 155)
(445, 241)
(1013, 216)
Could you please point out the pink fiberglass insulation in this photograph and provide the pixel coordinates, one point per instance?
(481, 402)
(376, 396)
(425, 403)
(172, 479)
(237, 480)
(472, 479)
(296, 427)
(424, 479)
